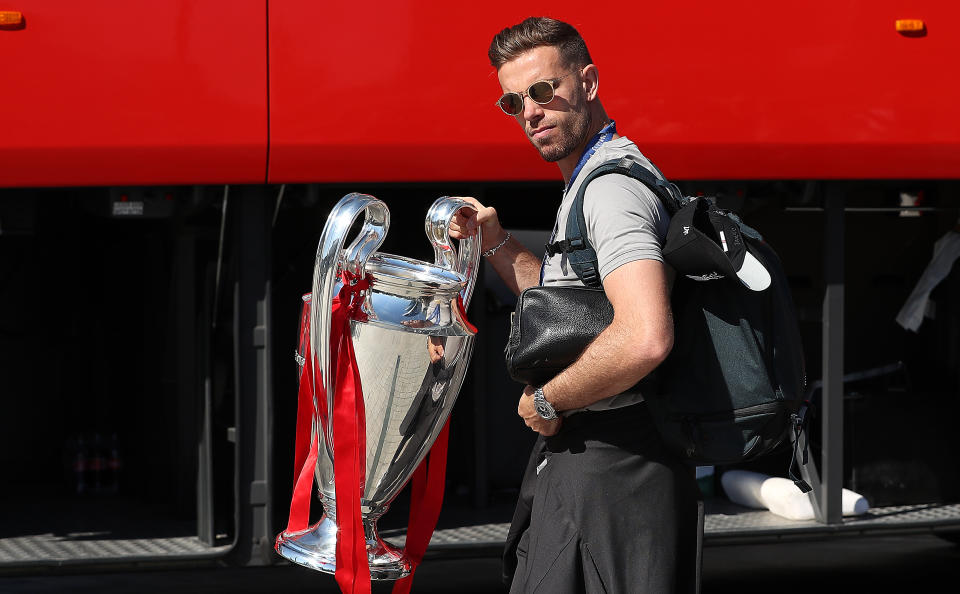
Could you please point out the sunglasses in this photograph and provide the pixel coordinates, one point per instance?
(541, 92)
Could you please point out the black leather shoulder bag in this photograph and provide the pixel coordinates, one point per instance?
(551, 327)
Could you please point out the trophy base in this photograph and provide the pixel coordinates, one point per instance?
(316, 548)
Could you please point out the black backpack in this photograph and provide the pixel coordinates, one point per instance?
(733, 387)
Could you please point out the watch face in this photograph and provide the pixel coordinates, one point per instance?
(544, 409)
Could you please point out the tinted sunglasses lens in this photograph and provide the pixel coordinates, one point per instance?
(511, 103)
(541, 92)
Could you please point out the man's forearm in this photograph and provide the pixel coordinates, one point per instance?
(516, 265)
(607, 367)
(639, 338)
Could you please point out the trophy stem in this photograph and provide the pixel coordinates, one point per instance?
(386, 561)
(316, 548)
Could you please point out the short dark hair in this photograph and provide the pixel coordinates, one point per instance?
(538, 32)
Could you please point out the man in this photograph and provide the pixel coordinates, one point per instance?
(603, 507)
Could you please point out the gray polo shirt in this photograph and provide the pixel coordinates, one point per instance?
(625, 222)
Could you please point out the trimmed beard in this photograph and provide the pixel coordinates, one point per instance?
(569, 139)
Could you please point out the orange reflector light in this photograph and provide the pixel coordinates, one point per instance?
(906, 25)
(10, 17)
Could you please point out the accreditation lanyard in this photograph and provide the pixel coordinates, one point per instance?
(604, 135)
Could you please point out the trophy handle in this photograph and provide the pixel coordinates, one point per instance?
(331, 260)
(437, 227)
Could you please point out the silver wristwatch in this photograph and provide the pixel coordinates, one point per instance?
(544, 408)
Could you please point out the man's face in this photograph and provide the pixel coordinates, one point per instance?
(558, 128)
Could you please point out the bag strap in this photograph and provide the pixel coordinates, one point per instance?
(580, 255)
(799, 422)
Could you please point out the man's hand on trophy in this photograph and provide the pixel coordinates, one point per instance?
(466, 221)
(528, 412)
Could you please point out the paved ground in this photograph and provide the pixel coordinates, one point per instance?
(922, 564)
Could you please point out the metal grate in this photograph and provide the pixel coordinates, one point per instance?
(50, 549)
(727, 523)
(474, 536)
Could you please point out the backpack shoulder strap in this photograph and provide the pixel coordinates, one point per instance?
(580, 255)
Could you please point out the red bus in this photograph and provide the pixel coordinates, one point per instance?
(165, 171)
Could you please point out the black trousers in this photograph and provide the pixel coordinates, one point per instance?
(604, 508)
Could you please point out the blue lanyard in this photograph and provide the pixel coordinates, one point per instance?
(604, 135)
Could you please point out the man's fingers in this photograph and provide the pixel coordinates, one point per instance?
(543, 426)
(553, 427)
(473, 216)
(461, 227)
(486, 214)
(473, 202)
(464, 222)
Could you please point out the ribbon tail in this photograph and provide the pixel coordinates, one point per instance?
(302, 492)
(426, 499)
(353, 571)
(305, 448)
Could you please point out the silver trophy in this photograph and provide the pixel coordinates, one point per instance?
(412, 351)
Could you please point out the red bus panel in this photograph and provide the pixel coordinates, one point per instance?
(111, 93)
(107, 92)
(750, 90)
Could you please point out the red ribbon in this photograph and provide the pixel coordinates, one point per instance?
(305, 450)
(426, 498)
(349, 440)
(349, 447)
(353, 572)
